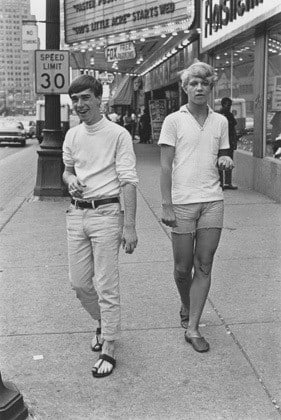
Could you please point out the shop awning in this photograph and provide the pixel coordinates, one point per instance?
(124, 93)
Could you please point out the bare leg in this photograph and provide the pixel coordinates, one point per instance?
(183, 262)
(207, 241)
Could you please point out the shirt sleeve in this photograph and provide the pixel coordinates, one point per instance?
(168, 134)
(67, 151)
(126, 160)
(224, 139)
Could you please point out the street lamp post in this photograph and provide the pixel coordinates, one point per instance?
(50, 166)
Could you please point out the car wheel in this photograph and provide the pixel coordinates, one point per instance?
(23, 143)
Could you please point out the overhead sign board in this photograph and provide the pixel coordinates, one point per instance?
(51, 71)
(29, 37)
(106, 77)
(85, 20)
(222, 20)
(118, 52)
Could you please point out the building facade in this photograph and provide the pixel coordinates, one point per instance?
(16, 66)
(242, 40)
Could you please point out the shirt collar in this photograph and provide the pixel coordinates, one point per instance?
(94, 127)
(183, 108)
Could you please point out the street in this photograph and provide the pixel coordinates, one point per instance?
(18, 167)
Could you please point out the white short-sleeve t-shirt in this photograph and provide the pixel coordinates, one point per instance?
(195, 176)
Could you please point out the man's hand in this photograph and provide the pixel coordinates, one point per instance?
(75, 187)
(225, 162)
(129, 239)
(168, 216)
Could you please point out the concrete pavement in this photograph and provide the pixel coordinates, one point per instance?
(45, 334)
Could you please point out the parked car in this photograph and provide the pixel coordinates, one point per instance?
(12, 132)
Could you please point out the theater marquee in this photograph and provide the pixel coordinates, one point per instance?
(93, 19)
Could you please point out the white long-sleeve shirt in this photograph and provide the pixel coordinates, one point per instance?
(102, 156)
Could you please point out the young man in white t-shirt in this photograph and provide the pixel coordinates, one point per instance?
(99, 162)
(194, 143)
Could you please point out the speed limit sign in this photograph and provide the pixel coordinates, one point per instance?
(51, 72)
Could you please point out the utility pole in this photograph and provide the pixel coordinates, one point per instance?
(50, 166)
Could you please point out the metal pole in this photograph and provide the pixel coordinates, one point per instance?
(50, 165)
(12, 405)
(231, 73)
(52, 135)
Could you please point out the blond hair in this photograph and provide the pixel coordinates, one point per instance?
(199, 69)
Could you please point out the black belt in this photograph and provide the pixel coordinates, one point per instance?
(94, 203)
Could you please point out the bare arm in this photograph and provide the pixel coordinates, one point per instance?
(129, 239)
(166, 160)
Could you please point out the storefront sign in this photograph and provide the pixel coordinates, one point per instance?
(106, 77)
(85, 20)
(224, 19)
(118, 52)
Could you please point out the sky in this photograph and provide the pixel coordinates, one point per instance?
(38, 8)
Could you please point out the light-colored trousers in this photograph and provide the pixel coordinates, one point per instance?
(94, 238)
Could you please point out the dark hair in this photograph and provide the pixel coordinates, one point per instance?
(226, 100)
(85, 82)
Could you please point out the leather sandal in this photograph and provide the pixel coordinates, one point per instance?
(109, 359)
(97, 346)
(198, 343)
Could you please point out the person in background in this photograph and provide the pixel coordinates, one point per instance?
(144, 127)
(226, 176)
(120, 118)
(113, 116)
(134, 124)
(128, 121)
(276, 131)
(191, 140)
(99, 163)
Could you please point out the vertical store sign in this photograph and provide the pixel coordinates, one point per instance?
(158, 112)
(29, 37)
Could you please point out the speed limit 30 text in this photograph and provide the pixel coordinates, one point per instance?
(52, 61)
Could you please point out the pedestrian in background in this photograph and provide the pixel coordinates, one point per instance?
(128, 121)
(144, 127)
(99, 162)
(226, 176)
(113, 116)
(276, 131)
(192, 199)
(134, 124)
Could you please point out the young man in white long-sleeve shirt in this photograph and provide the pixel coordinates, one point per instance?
(99, 162)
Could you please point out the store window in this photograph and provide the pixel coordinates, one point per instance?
(235, 70)
(273, 125)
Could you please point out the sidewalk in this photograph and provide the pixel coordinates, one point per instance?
(45, 333)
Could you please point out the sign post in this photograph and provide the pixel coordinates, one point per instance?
(51, 79)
